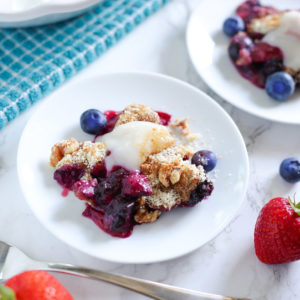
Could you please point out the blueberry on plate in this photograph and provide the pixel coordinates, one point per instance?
(233, 25)
(280, 86)
(93, 121)
(207, 159)
(290, 169)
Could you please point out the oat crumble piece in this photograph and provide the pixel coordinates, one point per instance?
(73, 152)
(265, 24)
(171, 176)
(144, 214)
(138, 112)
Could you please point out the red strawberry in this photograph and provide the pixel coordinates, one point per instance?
(37, 285)
(277, 232)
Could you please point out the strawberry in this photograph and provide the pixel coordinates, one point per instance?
(36, 285)
(277, 232)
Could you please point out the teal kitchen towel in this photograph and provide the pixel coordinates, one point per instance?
(35, 61)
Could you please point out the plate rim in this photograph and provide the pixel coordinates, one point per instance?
(44, 9)
(227, 99)
(185, 85)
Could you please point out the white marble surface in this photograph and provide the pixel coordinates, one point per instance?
(227, 265)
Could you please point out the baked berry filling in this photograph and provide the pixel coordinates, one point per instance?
(120, 196)
(254, 61)
(114, 201)
(67, 175)
(264, 42)
(202, 191)
(84, 188)
(117, 220)
(112, 117)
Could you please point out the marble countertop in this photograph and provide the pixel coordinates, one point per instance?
(227, 265)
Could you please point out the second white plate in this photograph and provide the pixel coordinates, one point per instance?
(207, 46)
(175, 233)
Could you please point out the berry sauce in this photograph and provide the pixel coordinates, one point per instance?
(112, 117)
(164, 118)
(112, 196)
(67, 175)
(113, 204)
(255, 60)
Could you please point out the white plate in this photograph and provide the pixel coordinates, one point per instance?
(175, 233)
(207, 46)
(23, 13)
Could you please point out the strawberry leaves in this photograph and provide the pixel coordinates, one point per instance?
(294, 205)
(6, 293)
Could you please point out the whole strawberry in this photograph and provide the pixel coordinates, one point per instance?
(35, 285)
(277, 232)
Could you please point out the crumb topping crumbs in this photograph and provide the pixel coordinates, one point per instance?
(73, 152)
(265, 24)
(138, 112)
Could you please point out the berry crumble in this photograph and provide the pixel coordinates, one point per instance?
(134, 170)
(264, 47)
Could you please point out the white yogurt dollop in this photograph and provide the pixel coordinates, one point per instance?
(131, 143)
(287, 38)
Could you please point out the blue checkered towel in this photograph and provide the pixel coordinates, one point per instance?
(35, 61)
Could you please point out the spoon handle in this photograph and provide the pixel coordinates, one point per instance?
(151, 289)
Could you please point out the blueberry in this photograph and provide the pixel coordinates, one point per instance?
(234, 51)
(233, 25)
(290, 169)
(93, 121)
(206, 159)
(280, 86)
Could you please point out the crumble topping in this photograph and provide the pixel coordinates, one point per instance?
(59, 150)
(71, 151)
(265, 24)
(165, 200)
(138, 112)
(144, 214)
(172, 177)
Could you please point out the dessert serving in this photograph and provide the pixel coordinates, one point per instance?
(264, 47)
(139, 165)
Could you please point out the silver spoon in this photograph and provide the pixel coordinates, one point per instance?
(13, 261)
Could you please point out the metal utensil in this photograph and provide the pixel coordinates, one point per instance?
(13, 261)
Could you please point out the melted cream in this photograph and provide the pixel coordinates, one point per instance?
(131, 143)
(287, 37)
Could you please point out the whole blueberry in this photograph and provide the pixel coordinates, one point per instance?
(207, 159)
(233, 25)
(93, 121)
(290, 169)
(280, 86)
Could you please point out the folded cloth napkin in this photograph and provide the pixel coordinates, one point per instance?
(34, 61)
